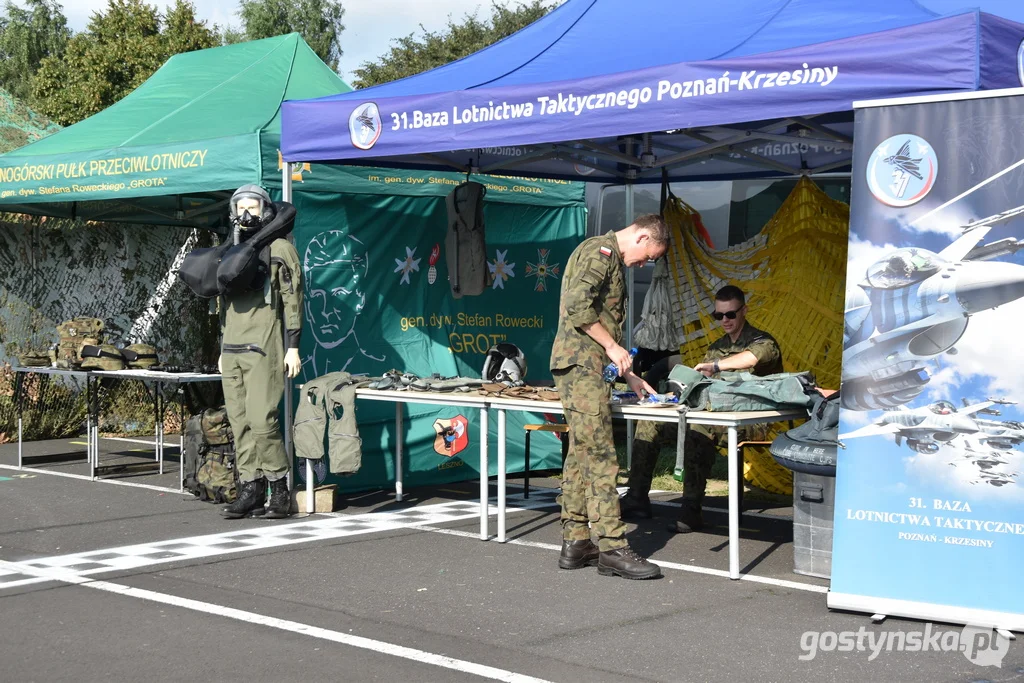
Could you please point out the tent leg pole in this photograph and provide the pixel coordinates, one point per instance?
(630, 288)
(286, 195)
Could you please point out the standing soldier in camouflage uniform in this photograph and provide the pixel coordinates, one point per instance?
(591, 313)
(744, 347)
(253, 363)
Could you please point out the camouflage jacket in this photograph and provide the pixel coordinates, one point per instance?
(255, 317)
(593, 290)
(758, 342)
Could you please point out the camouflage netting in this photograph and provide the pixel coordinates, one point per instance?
(19, 125)
(55, 269)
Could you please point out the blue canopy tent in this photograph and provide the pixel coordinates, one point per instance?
(698, 90)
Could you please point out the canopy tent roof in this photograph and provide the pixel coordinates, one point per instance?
(573, 96)
(204, 124)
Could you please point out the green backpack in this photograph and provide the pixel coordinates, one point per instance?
(742, 391)
(217, 477)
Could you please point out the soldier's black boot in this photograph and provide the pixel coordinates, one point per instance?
(251, 499)
(690, 518)
(578, 554)
(633, 506)
(627, 564)
(280, 500)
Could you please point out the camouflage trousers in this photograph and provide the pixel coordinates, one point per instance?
(699, 455)
(589, 499)
(253, 387)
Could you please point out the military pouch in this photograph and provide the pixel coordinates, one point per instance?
(32, 359)
(102, 357)
(140, 356)
(217, 476)
(216, 428)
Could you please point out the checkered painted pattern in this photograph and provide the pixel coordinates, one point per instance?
(271, 536)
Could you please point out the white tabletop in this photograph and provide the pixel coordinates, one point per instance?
(455, 398)
(139, 373)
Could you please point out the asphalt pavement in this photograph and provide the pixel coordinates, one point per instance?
(138, 582)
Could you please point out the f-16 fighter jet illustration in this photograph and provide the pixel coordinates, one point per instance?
(927, 428)
(995, 436)
(988, 470)
(914, 305)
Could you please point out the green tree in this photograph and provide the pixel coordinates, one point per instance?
(414, 53)
(317, 21)
(117, 52)
(27, 35)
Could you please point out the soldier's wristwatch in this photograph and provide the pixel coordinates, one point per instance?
(717, 369)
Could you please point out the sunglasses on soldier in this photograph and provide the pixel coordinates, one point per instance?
(731, 315)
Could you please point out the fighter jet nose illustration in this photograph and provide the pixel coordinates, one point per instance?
(914, 305)
(984, 286)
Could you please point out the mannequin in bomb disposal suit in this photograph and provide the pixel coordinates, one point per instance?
(254, 360)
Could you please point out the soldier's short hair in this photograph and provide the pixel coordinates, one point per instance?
(655, 227)
(731, 293)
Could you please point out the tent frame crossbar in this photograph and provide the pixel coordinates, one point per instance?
(645, 163)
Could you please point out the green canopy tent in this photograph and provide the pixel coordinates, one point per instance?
(172, 151)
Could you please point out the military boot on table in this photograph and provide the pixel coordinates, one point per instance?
(627, 564)
(280, 500)
(633, 506)
(251, 499)
(690, 518)
(578, 554)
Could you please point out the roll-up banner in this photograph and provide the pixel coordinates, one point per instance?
(929, 509)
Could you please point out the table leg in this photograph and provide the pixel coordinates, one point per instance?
(398, 451)
(501, 475)
(181, 441)
(734, 507)
(159, 424)
(484, 469)
(18, 402)
(89, 424)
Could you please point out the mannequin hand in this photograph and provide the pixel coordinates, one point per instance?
(220, 368)
(292, 364)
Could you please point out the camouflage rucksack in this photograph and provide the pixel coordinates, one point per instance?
(217, 476)
(102, 357)
(140, 356)
(74, 334)
(192, 454)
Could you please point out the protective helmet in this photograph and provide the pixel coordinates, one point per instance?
(245, 220)
(102, 357)
(505, 363)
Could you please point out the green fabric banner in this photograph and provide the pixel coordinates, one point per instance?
(174, 169)
(377, 298)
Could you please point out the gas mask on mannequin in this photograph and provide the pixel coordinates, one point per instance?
(250, 209)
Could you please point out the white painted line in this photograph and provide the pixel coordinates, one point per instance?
(144, 442)
(379, 646)
(668, 565)
(69, 475)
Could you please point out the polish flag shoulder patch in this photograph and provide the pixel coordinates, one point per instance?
(606, 252)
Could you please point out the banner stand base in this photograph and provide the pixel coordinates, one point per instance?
(926, 611)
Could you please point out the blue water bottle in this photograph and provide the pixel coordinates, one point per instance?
(611, 371)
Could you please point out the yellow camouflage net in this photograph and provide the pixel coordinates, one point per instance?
(793, 275)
